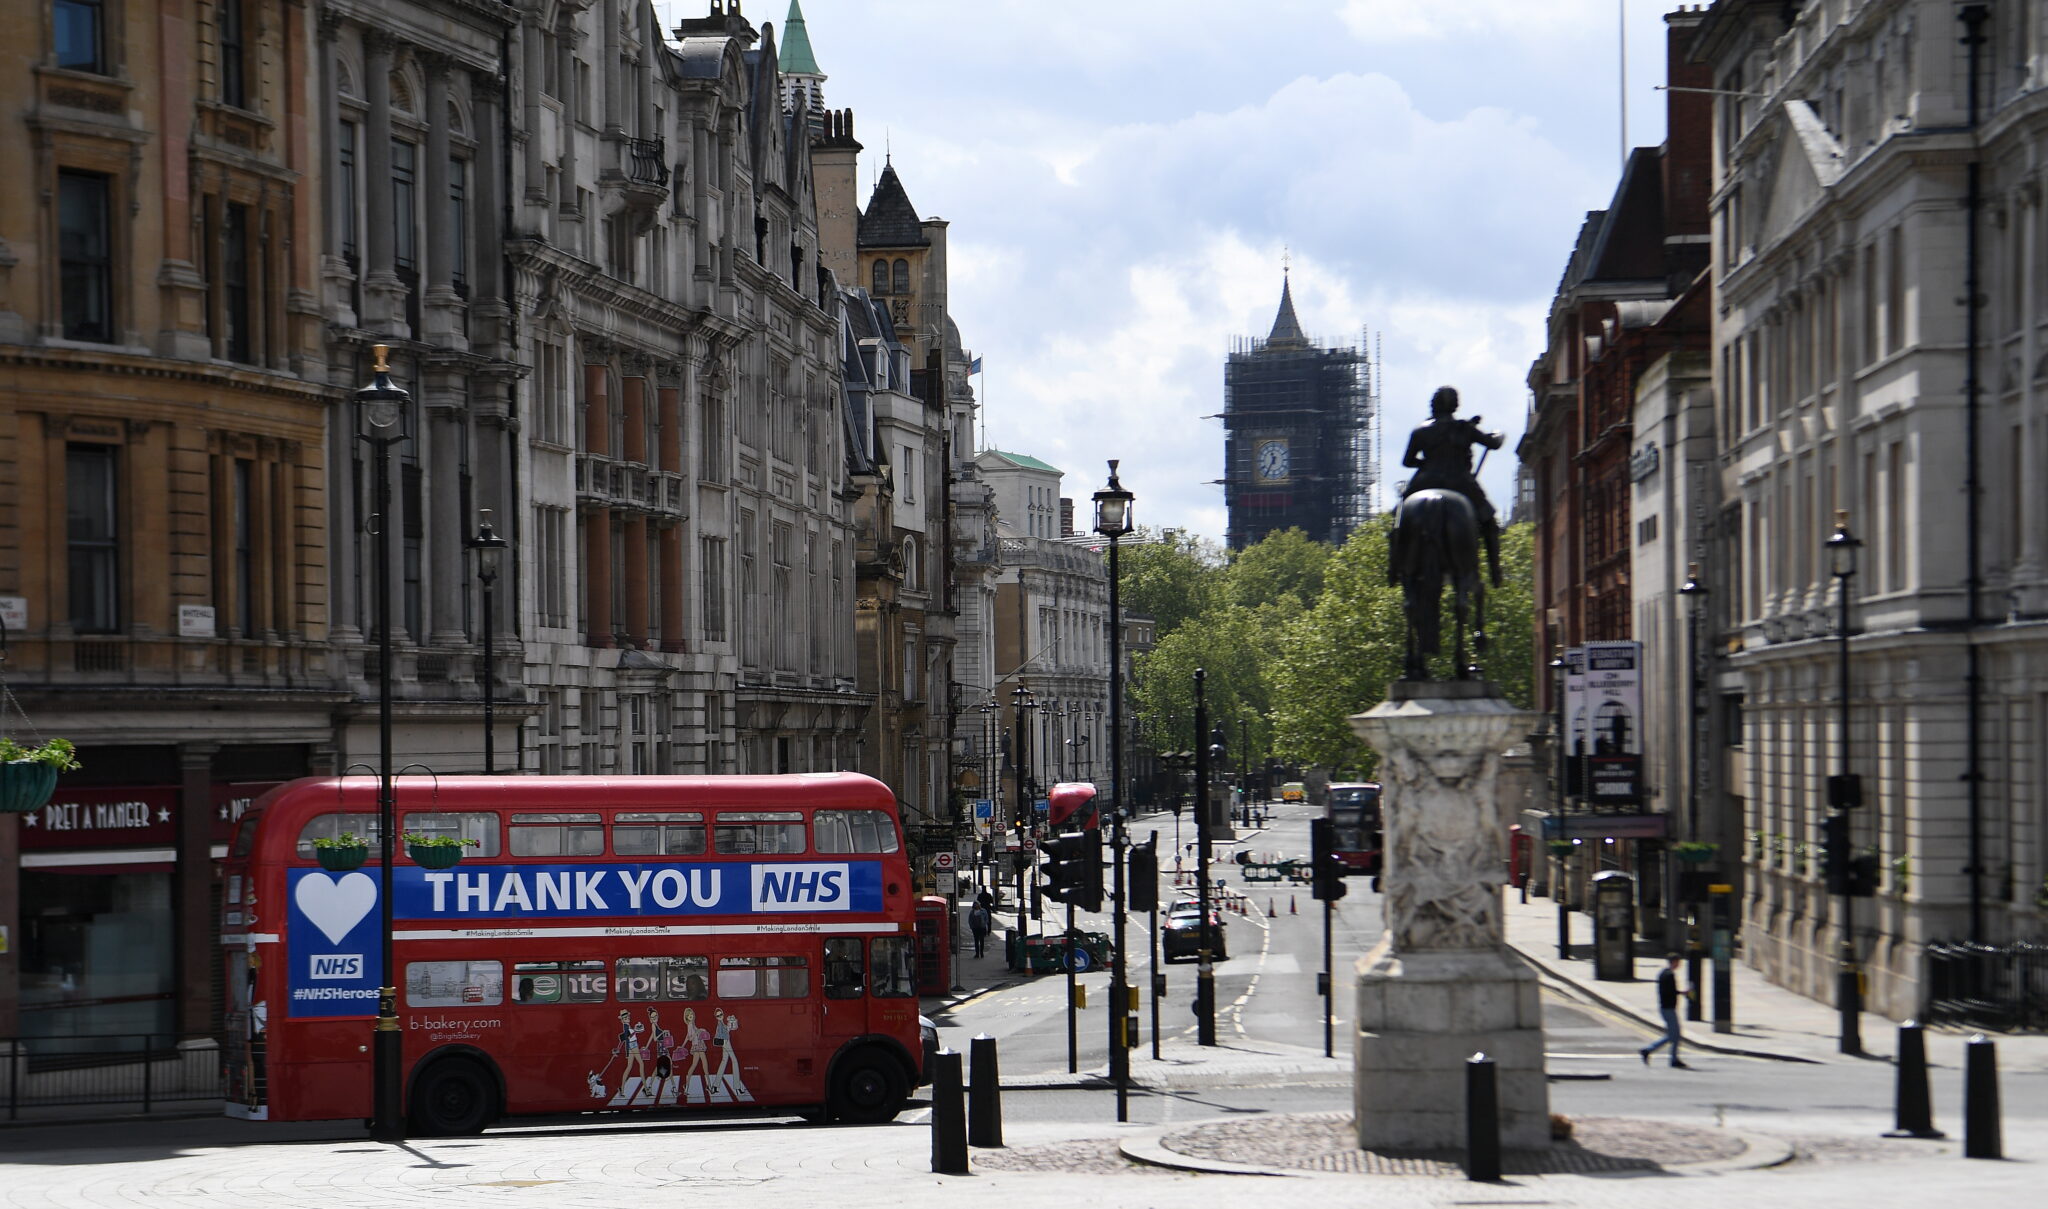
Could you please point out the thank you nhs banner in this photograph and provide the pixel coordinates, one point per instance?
(333, 947)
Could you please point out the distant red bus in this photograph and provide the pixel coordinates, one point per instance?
(628, 943)
(1354, 812)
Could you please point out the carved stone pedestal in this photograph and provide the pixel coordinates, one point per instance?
(1442, 984)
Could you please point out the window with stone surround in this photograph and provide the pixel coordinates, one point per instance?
(85, 243)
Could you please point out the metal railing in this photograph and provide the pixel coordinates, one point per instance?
(1998, 987)
(140, 1070)
(648, 161)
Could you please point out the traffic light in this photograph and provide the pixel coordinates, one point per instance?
(1863, 875)
(1328, 882)
(1834, 852)
(1073, 870)
(1141, 879)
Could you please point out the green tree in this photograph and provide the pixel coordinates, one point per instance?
(1172, 581)
(1284, 564)
(1338, 658)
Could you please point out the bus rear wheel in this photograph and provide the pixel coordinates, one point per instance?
(868, 1089)
(455, 1096)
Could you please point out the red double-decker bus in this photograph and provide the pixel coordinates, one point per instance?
(1354, 812)
(627, 943)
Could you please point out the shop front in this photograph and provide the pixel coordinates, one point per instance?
(118, 908)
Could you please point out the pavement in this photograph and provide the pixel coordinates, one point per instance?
(1289, 1158)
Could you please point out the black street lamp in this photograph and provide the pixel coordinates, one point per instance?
(1205, 972)
(989, 784)
(1844, 790)
(381, 406)
(1113, 521)
(1695, 594)
(1558, 872)
(490, 553)
(1023, 704)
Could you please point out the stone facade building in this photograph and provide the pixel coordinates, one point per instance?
(1862, 197)
(163, 554)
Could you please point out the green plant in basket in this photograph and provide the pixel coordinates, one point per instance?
(28, 775)
(1694, 852)
(340, 853)
(57, 753)
(435, 851)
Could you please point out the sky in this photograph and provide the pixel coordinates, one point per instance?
(1125, 179)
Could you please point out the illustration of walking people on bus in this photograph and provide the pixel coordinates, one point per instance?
(663, 1068)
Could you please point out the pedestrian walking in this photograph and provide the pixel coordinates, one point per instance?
(1667, 1004)
(978, 922)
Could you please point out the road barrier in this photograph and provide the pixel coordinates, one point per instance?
(1913, 1106)
(1482, 1119)
(1999, 987)
(949, 1116)
(985, 1096)
(1982, 1136)
(145, 1070)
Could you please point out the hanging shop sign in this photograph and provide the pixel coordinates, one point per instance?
(1614, 711)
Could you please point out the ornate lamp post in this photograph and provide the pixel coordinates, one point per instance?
(490, 553)
(1845, 791)
(1113, 521)
(1205, 972)
(1695, 594)
(381, 407)
(989, 785)
(1022, 705)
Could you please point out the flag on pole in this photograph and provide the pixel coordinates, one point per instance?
(974, 366)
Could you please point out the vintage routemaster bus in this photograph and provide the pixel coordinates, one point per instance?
(604, 943)
(1354, 813)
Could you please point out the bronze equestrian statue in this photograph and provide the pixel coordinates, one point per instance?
(1439, 526)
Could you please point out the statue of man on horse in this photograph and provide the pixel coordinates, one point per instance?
(1442, 521)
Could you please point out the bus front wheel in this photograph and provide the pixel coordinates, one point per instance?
(455, 1096)
(868, 1089)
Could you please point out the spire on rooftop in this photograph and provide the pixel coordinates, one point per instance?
(890, 221)
(1286, 328)
(796, 57)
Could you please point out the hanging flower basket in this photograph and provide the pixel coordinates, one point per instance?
(1561, 848)
(28, 775)
(341, 859)
(1693, 852)
(25, 785)
(435, 851)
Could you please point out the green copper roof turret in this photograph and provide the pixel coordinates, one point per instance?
(796, 58)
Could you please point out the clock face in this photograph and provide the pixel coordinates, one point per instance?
(1272, 459)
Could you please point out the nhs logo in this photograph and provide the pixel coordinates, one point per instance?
(806, 887)
(333, 966)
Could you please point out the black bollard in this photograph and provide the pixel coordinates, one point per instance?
(1913, 1114)
(1694, 1008)
(1982, 1136)
(985, 1095)
(949, 1116)
(1482, 1120)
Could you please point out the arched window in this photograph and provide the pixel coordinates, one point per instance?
(902, 276)
(881, 284)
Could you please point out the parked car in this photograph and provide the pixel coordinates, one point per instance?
(1182, 935)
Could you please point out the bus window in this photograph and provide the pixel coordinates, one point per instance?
(245, 835)
(675, 833)
(642, 978)
(327, 826)
(480, 826)
(841, 831)
(583, 982)
(843, 968)
(454, 983)
(763, 978)
(764, 832)
(895, 974)
(557, 835)
(537, 982)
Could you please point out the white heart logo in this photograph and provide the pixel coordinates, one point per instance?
(335, 904)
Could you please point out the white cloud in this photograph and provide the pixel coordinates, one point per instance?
(1120, 181)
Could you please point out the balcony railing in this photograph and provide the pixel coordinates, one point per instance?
(647, 162)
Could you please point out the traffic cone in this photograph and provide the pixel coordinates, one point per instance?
(1270, 913)
(1293, 907)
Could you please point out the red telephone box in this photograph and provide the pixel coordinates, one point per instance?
(934, 944)
(1521, 852)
